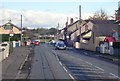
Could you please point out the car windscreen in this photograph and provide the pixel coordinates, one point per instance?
(61, 44)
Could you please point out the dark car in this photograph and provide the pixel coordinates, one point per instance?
(60, 45)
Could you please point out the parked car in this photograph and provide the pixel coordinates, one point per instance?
(60, 45)
(52, 42)
(36, 42)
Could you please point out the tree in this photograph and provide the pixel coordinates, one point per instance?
(99, 15)
(52, 31)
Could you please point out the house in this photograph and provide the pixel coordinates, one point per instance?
(118, 19)
(10, 29)
(95, 32)
(71, 33)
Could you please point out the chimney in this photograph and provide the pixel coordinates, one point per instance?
(71, 20)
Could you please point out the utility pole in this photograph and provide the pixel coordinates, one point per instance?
(21, 30)
(80, 21)
(57, 31)
(79, 12)
(66, 30)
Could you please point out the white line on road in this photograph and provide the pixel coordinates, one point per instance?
(71, 76)
(57, 58)
(60, 63)
(89, 63)
(24, 62)
(85, 53)
(54, 52)
(65, 69)
(114, 75)
(99, 68)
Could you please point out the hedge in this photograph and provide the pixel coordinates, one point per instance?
(5, 37)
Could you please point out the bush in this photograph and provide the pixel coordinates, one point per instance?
(5, 37)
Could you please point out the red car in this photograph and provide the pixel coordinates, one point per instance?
(36, 42)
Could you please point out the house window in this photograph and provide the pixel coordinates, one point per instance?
(8, 27)
(93, 38)
(86, 27)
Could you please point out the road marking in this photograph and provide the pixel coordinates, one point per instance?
(83, 68)
(89, 63)
(99, 68)
(114, 75)
(80, 59)
(89, 71)
(85, 53)
(65, 69)
(18, 75)
(60, 63)
(97, 76)
(54, 52)
(24, 62)
(57, 58)
(71, 76)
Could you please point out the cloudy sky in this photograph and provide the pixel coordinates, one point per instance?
(49, 14)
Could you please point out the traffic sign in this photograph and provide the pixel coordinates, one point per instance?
(11, 33)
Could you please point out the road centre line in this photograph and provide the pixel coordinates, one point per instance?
(65, 69)
(60, 63)
(71, 76)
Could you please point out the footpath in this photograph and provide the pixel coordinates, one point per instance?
(11, 65)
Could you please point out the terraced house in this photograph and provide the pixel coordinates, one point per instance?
(90, 33)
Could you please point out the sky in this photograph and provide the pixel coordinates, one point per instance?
(38, 14)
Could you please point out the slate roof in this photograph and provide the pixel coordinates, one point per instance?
(12, 25)
(104, 27)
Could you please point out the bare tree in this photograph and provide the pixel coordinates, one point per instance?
(99, 15)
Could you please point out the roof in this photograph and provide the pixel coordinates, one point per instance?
(12, 25)
(104, 27)
(69, 25)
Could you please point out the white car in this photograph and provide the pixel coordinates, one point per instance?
(60, 45)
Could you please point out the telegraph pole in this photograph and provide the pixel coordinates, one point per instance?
(80, 21)
(21, 30)
(57, 28)
(79, 12)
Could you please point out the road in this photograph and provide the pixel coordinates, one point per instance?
(66, 64)
(45, 65)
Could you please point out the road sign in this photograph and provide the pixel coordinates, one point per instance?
(11, 33)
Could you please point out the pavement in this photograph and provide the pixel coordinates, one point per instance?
(11, 65)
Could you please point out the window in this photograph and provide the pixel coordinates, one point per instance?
(8, 27)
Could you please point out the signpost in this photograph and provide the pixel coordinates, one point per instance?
(11, 34)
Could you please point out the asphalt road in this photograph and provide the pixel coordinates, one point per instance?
(46, 66)
(86, 68)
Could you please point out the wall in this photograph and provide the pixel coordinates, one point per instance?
(15, 30)
(90, 45)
